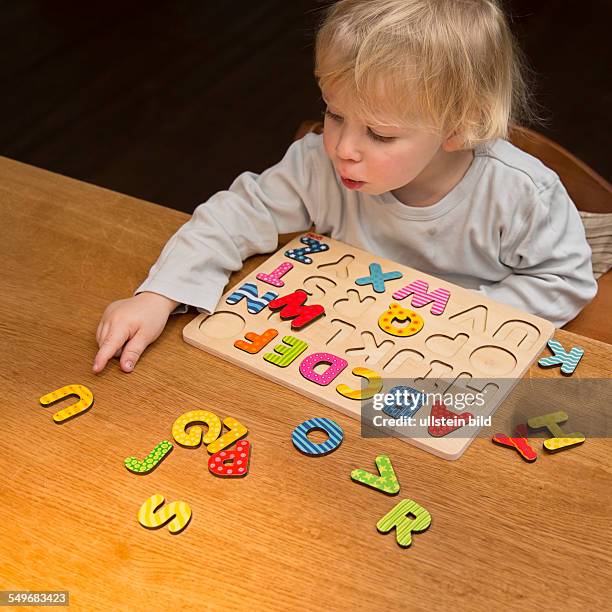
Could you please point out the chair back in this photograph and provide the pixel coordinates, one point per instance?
(589, 191)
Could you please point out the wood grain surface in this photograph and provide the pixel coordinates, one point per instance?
(296, 532)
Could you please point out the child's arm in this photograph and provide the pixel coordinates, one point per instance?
(549, 260)
(195, 264)
(232, 225)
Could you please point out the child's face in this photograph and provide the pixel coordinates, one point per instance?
(376, 158)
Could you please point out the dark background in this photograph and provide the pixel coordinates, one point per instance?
(170, 101)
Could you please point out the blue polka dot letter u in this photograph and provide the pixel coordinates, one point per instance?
(305, 445)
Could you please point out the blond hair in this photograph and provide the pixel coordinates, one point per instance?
(453, 64)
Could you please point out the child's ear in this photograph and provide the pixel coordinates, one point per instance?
(452, 143)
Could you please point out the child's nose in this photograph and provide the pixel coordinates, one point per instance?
(347, 147)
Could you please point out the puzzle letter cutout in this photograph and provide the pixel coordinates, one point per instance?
(345, 313)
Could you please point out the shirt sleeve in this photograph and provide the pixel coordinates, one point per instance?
(549, 260)
(232, 225)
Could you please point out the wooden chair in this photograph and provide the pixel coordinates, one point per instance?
(589, 191)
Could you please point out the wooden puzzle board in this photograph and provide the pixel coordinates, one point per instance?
(475, 344)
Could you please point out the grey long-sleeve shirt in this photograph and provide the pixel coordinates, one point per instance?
(507, 229)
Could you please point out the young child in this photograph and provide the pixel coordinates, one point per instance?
(412, 166)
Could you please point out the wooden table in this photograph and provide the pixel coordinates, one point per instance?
(297, 532)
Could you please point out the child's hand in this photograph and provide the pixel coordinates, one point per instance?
(137, 321)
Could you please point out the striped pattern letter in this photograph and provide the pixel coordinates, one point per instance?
(398, 518)
(285, 354)
(304, 445)
(249, 292)
(567, 361)
(178, 513)
(519, 442)
(421, 297)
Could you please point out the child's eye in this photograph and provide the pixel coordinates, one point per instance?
(373, 135)
(333, 116)
(380, 138)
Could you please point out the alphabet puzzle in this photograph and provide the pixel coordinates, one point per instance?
(344, 325)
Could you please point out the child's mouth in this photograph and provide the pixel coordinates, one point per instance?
(350, 184)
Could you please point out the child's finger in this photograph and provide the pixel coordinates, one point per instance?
(101, 332)
(101, 336)
(132, 351)
(113, 342)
